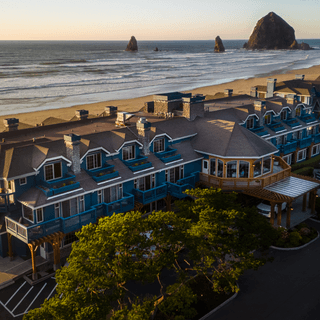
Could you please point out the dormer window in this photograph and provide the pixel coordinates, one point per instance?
(128, 152)
(250, 123)
(158, 145)
(298, 111)
(94, 161)
(283, 115)
(267, 118)
(52, 171)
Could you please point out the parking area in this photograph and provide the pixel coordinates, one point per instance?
(17, 299)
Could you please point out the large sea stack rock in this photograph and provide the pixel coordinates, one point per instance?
(132, 45)
(271, 32)
(218, 47)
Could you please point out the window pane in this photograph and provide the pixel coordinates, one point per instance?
(66, 209)
(213, 167)
(39, 215)
(220, 168)
(57, 170)
(243, 169)
(267, 165)
(28, 213)
(90, 162)
(48, 172)
(232, 169)
(257, 168)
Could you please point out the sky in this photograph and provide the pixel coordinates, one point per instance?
(150, 19)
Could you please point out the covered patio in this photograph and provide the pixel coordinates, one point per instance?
(298, 192)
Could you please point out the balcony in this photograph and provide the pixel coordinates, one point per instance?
(121, 205)
(28, 233)
(293, 123)
(260, 131)
(316, 138)
(276, 126)
(304, 142)
(151, 195)
(177, 189)
(308, 118)
(280, 171)
(289, 147)
(7, 202)
(138, 164)
(57, 186)
(105, 173)
(168, 156)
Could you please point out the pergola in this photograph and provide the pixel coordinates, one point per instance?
(287, 190)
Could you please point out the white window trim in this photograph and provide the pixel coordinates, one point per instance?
(40, 209)
(25, 217)
(94, 155)
(25, 179)
(160, 141)
(317, 146)
(52, 164)
(304, 152)
(134, 152)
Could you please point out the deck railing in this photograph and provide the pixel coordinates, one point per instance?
(7, 201)
(151, 195)
(244, 183)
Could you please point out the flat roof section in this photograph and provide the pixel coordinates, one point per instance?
(292, 186)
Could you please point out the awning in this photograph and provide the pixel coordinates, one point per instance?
(292, 186)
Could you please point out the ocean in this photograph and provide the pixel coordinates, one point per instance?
(40, 75)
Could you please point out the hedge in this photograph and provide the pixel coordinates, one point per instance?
(308, 163)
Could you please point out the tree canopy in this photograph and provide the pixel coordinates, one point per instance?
(214, 236)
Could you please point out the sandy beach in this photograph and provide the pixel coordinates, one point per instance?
(131, 105)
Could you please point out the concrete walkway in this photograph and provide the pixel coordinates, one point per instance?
(10, 270)
(287, 288)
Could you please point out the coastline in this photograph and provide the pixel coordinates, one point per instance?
(240, 86)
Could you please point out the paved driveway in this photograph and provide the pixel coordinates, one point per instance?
(287, 288)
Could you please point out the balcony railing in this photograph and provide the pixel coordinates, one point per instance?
(104, 173)
(289, 147)
(276, 126)
(292, 122)
(121, 205)
(177, 189)
(307, 118)
(260, 131)
(7, 201)
(54, 187)
(151, 195)
(316, 138)
(168, 155)
(244, 183)
(304, 142)
(138, 164)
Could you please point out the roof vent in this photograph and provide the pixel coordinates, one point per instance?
(228, 92)
(11, 124)
(123, 117)
(110, 110)
(82, 114)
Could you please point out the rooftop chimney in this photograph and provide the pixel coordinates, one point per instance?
(271, 86)
(299, 77)
(110, 110)
(260, 108)
(143, 127)
(291, 98)
(123, 117)
(72, 142)
(11, 124)
(82, 114)
(254, 92)
(228, 92)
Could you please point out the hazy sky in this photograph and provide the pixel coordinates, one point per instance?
(149, 19)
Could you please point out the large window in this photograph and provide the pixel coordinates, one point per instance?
(57, 210)
(220, 168)
(213, 167)
(145, 183)
(283, 115)
(250, 123)
(232, 169)
(257, 165)
(128, 152)
(39, 214)
(27, 213)
(315, 149)
(52, 171)
(288, 159)
(302, 154)
(244, 169)
(69, 207)
(266, 165)
(94, 161)
(158, 145)
(113, 193)
(267, 118)
(174, 174)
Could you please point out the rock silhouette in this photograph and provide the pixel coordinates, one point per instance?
(132, 45)
(272, 32)
(218, 47)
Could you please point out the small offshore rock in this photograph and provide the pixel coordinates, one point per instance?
(132, 45)
(156, 49)
(304, 46)
(218, 47)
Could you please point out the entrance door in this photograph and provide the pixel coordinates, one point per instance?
(205, 166)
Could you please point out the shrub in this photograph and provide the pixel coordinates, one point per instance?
(305, 171)
(294, 239)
